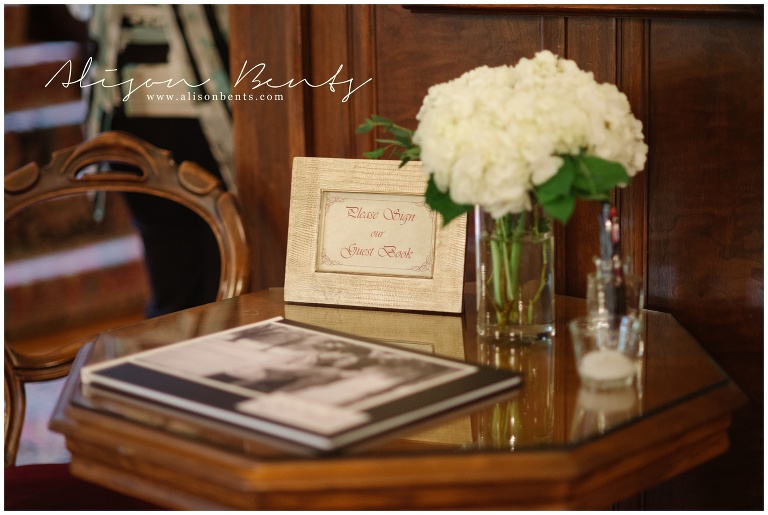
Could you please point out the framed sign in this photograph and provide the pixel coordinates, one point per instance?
(360, 234)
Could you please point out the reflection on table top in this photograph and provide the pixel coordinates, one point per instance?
(552, 412)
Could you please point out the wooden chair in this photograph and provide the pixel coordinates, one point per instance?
(158, 175)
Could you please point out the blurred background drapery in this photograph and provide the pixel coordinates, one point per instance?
(187, 46)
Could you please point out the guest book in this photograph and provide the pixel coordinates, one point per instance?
(296, 385)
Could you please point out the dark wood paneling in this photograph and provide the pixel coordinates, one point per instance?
(330, 28)
(346, 46)
(632, 78)
(705, 245)
(605, 10)
(706, 198)
(416, 51)
(268, 134)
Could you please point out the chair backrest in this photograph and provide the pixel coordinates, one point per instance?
(149, 170)
(187, 184)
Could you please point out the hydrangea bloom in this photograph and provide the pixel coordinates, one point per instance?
(493, 134)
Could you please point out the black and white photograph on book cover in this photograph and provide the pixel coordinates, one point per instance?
(323, 368)
(295, 381)
(282, 366)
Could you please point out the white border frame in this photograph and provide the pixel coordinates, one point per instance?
(442, 292)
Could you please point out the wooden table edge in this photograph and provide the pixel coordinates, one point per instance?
(588, 476)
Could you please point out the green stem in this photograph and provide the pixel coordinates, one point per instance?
(544, 261)
(514, 260)
(502, 229)
(542, 279)
(498, 280)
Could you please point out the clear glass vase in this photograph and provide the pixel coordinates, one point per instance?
(515, 280)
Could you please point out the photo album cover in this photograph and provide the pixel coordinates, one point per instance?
(297, 383)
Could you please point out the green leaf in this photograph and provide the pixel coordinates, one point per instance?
(559, 185)
(405, 141)
(375, 154)
(561, 208)
(400, 132)
(413, 152)
(410, 154)
(607, 174)
(605, 168)
(380, 120)
(599, 176)
(442, 203)
(366, 126)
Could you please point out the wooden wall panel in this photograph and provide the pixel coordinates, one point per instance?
(705, 227)
(330, 30)
(633, 53)
(416, 50)
(268, 134)
(346, 45)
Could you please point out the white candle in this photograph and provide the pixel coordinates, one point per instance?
(606, 365)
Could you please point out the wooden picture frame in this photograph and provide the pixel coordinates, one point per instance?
(360, 234)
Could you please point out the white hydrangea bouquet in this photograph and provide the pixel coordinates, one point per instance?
(509, 138)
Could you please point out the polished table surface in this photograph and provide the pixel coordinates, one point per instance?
(552, 445)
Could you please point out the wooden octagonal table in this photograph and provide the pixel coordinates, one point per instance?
(552, 445)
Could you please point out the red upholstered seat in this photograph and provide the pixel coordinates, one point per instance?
(52, 487)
